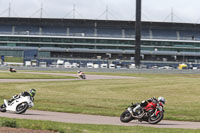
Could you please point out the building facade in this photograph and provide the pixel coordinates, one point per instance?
(98, 39)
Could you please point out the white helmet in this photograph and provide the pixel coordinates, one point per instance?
(161, 99)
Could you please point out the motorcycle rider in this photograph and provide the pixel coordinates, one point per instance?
(80, 74)
(145, 102)
(31, 93)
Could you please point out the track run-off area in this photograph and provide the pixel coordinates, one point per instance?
(88, 119)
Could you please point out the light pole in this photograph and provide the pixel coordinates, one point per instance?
(138, 33)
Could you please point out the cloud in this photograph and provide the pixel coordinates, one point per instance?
(152, 10)
(183, 10)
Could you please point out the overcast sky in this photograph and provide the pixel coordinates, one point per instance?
(152, 10)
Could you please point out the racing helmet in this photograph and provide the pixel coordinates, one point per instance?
(32, 92)
(161, 99)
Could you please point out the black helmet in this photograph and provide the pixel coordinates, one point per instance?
(32, 92)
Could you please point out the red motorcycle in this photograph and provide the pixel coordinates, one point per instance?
(151, 112)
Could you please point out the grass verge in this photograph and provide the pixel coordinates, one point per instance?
(85, 128)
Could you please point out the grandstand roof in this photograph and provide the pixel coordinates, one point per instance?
(90, 22)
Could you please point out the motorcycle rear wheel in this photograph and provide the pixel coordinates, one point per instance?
(3, 108)
(126, 117)
(156, 119)
(21, 108)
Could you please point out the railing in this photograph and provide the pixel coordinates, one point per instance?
(97, 35)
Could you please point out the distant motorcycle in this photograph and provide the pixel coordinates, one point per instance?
(82, 76)
(150, 112)
(12, 70)
(19, 105)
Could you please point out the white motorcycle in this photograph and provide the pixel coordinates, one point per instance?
(19, 105)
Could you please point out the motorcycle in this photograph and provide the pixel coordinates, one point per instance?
(152, 112)
(82, 76)
(12, 70)
(19, 105)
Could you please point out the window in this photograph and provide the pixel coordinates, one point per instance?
(46, 39)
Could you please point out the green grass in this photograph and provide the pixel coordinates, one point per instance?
(13, 59)
(111, 97)
(8, 75)
(85, 128)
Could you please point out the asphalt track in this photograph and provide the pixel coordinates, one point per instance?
(96, 119)
(88, 119)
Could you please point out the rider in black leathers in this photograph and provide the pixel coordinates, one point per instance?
(145, 102)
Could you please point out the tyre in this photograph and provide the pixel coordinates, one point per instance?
(3, 108)
(156, 119)
(21, 108)
(126, 117)
(84, 77)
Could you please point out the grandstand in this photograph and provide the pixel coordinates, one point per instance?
(98, 40)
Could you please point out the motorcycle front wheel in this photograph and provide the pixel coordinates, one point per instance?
(21, 108)
(3, 108)
(126, 117)
(153, 119)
